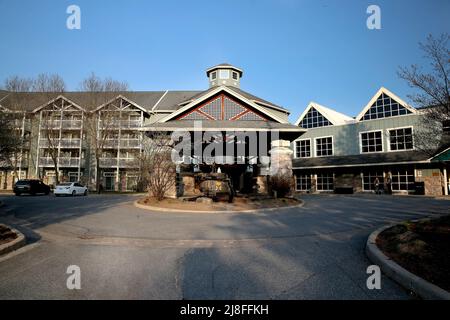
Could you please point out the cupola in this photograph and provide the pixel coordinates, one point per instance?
(224, 75)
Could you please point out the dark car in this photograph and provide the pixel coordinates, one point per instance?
(30, 186)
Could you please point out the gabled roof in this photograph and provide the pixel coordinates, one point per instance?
(57, 98)
(388, 93)
(215, 90)
(120, 96)
(333, 116)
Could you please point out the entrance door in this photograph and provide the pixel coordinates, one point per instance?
(109, 183)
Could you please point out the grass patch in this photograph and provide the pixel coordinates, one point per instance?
(6, 235)
(422, 248)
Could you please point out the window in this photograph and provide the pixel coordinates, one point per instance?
(402, 180)
(303, 148)
(400, 139)
(369, 180)
(224, 74)
(314, 119)
(303, 182)
(235, 75)
(324, 147)
(385, 107)
(371, 141)
(325, 182)
(213, 75)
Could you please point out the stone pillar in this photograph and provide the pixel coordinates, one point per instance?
(281, 158)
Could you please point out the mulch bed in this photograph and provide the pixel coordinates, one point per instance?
(237, 205)
(422, 248)
(6, 235)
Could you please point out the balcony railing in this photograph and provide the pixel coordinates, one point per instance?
(19, 124)
(64, 143)
(65, 124)
(123, 163)
(124, 124)
(70, 143)
(62, 162)
(124, 143)
(130, 143)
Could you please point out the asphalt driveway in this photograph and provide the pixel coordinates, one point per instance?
(314, 252)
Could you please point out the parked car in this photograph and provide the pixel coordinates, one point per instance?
(70, 189)
(30, 186)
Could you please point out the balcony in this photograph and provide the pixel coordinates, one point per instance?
(123, 124)
(64, 124)
(70, 143)
(123, 163)
(64, 143)
(130, 143)
(124, 143)
(70, 162)
(19, 124)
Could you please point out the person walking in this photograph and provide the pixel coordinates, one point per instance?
(376, 183)
(389, 185)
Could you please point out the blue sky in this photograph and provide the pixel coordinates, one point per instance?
(292, 52)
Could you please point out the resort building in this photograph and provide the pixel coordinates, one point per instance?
(376, 149)
(257, 132)
(98, 138)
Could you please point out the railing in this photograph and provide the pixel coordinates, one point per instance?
(70, 143)
(124, 143)
(130, 143)
(123, 163)
(65, 143)
(18, 124)
(65, 124)
(124, 124)
(62, 162)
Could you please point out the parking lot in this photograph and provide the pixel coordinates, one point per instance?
(314, 252)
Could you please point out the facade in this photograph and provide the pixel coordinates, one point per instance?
(374, 150)
(326, 151)
(61, 140)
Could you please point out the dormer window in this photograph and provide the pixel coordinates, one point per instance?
(224, 74)
(235, 75)
(213, 75)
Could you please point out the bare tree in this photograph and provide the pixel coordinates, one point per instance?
(100, 125)
(18, 84)
(48, 83)
(10, 143)
(433, 92)
(44, 87)
(158, 171)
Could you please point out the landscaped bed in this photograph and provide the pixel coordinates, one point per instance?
(422, 248)
(239, 204)
(6, 234)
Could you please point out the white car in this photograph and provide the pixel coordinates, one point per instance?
(70, 189)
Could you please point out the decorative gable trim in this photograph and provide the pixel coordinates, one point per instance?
(56, 99)
(222, 107)
(260, 111)
(391, 95)
(130, 102)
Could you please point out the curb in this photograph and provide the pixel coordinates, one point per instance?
(17, 243)
(152, 208)
(408, 280)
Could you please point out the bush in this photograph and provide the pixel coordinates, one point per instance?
(282, 184)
